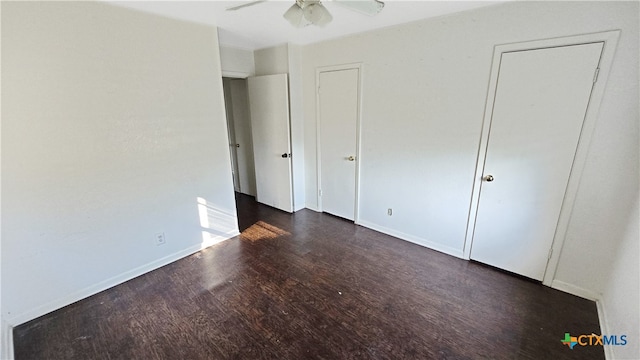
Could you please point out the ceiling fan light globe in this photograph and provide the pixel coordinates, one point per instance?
(317, 14)
(295, 16)
(312, 13)
(325, 19)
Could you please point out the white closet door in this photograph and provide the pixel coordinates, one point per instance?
(338, 102)
(540, 104)
(269, 104)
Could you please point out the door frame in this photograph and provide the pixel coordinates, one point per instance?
(331, 68)
(610, 40)
(236, 75)
(233, 153)
(231, 135)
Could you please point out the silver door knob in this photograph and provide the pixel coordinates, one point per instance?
(488, 178)
(351, 158)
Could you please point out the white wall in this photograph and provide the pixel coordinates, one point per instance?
(424, 88)
(272, 60)
(286, 59)
(610, 178)
(236, 62)
(113, 127)
(424, 91)
(620, 298)
(4, 328)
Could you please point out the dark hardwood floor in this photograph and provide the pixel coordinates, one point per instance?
(312, 286)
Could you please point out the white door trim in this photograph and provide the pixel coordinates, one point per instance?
(319, 70)
(236, 74)
(610, 40)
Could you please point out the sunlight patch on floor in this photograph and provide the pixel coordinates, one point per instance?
(262, 231)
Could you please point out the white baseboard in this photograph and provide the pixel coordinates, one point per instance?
(413, 239)
(575, 290)
(111, 282)
(6, 348)
(589, 295)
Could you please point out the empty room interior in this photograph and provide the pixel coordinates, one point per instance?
(320, 180)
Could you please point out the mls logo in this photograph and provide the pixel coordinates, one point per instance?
(593, 339)
(569, 340)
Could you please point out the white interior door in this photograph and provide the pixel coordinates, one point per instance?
(269, 104)
(338, 108)
(243, 141)
(540, 104)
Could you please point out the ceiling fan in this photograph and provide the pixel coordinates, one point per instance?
(312, 12)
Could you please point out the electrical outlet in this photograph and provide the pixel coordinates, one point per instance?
(389, 211)
(160, 239)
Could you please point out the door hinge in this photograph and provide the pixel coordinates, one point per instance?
(320, 192)
(550, 253)
(318, 89)
(595, 76)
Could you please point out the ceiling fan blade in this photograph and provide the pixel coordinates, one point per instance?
(234, 8)
(367, 7)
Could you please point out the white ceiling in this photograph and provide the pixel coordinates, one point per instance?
(262, 25)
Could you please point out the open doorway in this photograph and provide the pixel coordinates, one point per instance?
(239, 134)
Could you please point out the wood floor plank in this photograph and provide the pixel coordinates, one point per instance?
(313, 286)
